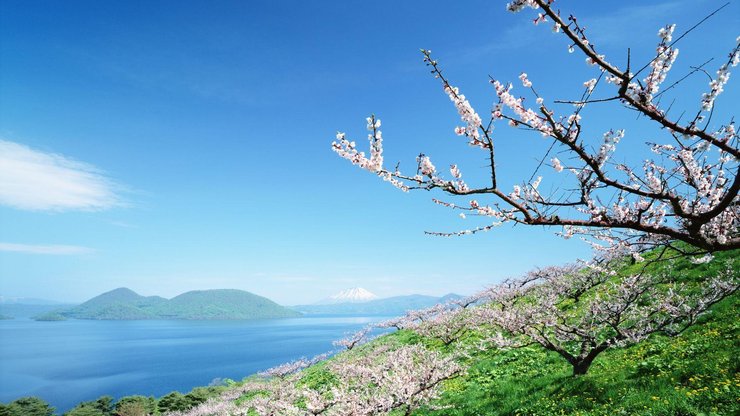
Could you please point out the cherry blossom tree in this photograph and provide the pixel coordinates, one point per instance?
(578, 310)
(382, 379)
(353, 340)
(687, 192)
(286, 369)
(581, 311)
(446, 323)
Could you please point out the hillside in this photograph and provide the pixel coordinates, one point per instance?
(694, 373)
(393, 306)
(222, 304)
(121, 303)
(125, 304)
(697, 373)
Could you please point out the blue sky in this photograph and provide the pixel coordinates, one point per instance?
(172, 146)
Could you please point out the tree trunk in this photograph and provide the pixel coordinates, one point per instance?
(581, 367)
(582, 363)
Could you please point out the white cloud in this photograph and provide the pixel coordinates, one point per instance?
(631, 23)
(39, 181)
(45, 249)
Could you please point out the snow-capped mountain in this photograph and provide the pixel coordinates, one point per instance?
(353, 295)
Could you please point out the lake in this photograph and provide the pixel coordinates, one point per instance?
(71, 361)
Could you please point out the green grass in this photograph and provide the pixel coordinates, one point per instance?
(696, 373)
(693, 374)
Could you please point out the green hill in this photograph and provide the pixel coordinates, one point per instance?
(121, 303)
(125, 304)
(223, 304)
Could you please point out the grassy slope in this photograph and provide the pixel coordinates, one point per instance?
(696, 373)
(693, 374)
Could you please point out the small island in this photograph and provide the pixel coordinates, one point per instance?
(50, 317)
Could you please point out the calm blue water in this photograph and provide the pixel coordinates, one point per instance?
(71, 361)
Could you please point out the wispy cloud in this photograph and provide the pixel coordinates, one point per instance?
(60, 250)
(40, 181)
(631, 19)
(643, 19)
(123, 224)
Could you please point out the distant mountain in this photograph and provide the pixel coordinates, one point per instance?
(224, 304)
(125, 304)
(352, 295)
(19, 307)
(121, 303)
(21, 310)
(7, 300)
(394, 306)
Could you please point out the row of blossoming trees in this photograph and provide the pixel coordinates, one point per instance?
(578, 311)
(688, 195)
(382, 379)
